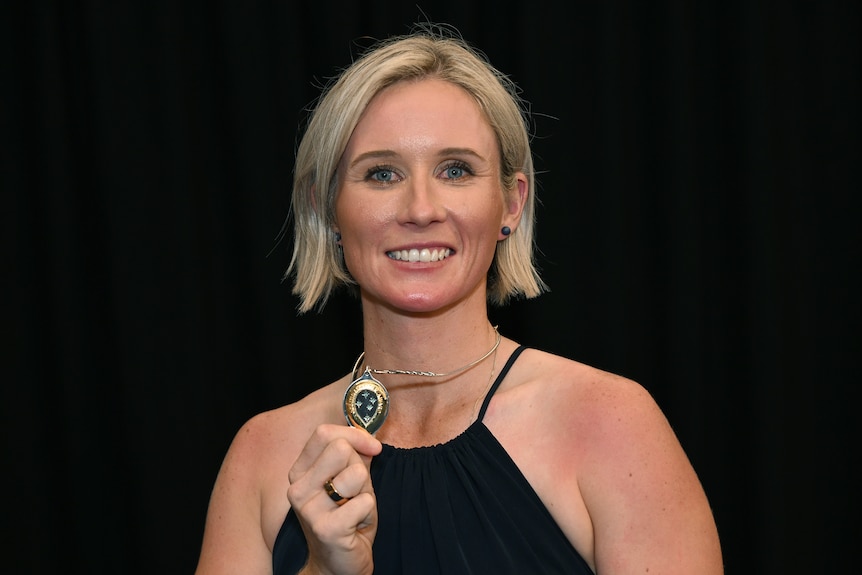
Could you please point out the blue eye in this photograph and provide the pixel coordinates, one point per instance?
(382, 175)
(456, 171)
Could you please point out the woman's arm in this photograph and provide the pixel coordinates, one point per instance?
(233, 539)
(648, 508)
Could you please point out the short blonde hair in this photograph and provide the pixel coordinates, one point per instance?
(317, 262)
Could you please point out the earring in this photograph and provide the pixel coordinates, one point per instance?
(506, 230)
(337, 236)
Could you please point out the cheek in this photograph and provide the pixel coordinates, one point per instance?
(345, 213)
(359, 221)
(361, 226)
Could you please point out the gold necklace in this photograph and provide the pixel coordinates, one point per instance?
(366, 400)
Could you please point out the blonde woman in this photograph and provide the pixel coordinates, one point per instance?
(447, 447)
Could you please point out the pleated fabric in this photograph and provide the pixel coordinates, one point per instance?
(461, 507)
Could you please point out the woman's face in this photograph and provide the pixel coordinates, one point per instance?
(420, 205)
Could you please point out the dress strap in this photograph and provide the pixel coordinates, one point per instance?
(499, 380)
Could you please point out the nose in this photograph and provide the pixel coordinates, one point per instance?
(422, 203)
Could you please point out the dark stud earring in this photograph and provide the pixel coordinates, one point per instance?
(506, 230)
(337, 236)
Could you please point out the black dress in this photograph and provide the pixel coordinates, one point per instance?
(459, 507)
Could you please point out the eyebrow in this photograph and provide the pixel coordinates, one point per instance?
(372, 155)
(384, 154)
(461, 152)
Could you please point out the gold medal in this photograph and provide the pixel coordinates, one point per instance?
(366, 403)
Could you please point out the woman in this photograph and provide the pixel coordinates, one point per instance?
(448, 448)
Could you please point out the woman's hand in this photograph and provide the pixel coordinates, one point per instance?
(340, 534)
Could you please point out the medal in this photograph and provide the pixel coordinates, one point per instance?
(366, 403)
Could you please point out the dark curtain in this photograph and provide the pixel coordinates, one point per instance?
(698, 228)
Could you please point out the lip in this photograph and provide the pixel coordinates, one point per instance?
(421, 245)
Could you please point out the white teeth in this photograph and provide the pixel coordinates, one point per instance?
(423, 255)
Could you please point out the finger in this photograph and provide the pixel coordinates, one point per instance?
(339, 523)
(332, 459)
(337, 458)
(360, 512)
(330, 521)
(350, 494)
(338, 453)
(337, 497)
(359, 440)
(349, 482)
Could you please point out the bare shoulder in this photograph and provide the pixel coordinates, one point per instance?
(575, 393)
(581, 412)
(249, 498)
(607, 413)
(604, 459)
(285, 429)
(606, 401)
(268, 444)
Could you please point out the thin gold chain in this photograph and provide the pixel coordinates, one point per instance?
(429, 373)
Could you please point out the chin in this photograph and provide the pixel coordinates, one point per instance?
(420, 302)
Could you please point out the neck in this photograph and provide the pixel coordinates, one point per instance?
(432, 409)
(440, 344)
(360, 367)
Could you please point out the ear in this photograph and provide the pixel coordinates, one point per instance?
(515, 202)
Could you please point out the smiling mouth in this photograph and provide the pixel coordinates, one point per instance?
(423, 255)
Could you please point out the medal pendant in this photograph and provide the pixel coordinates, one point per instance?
(366, 403)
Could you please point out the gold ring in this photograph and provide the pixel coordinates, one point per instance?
(333, 492)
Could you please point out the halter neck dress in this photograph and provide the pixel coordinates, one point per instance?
(460, 507)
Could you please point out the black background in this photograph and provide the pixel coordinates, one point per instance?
(698, 228)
